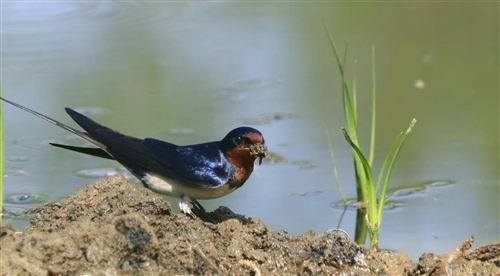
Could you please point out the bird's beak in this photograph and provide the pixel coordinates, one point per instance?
(258, 151)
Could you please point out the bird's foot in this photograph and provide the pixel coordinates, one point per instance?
(202, 213)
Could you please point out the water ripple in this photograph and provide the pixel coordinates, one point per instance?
(236, 91)
(252, 84)
(352, 204)
(67, 28)
(419, 190)
(26, 198)
(35, 143)
(268, 118)
(396, 197)
(48, 17)
(274, 158)
(304, 164)
(17, 159)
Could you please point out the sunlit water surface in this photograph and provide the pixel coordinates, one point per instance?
(190, 72)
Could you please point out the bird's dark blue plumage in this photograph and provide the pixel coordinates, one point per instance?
(202, 165)
(201, 171)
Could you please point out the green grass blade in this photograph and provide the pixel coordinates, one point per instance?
(353, 109)
(371, 192)
(354, 91)
(345, 56)
(348, 105)
(335, 52)
(386, 160)
(374, 99)
(391, 165)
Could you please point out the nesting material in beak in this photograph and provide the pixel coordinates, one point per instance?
(258, 151)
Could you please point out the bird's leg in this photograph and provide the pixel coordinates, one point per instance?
(197, 208)
(184, 206)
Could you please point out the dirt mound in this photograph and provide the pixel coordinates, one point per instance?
(111, 227)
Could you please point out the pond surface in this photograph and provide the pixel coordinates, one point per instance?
(190, 72)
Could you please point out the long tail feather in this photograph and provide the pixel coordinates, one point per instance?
(78, 133)
(90, 151)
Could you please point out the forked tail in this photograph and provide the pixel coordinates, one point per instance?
(78, 133)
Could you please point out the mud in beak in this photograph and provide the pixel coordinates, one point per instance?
(258, 151)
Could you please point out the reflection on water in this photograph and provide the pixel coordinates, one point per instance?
(190, 72)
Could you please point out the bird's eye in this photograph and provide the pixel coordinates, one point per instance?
(238, 140)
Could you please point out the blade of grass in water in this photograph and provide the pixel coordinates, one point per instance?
(368, 174)
(350, 111)
(374, 92)
(391, 165)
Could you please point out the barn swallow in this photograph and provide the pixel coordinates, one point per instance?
(202, 171)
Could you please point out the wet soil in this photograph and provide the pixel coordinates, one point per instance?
(111, 227)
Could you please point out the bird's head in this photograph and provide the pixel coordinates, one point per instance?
(243, 145)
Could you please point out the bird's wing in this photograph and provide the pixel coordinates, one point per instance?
(201, 165)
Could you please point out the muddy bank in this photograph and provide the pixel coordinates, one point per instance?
(111, 227)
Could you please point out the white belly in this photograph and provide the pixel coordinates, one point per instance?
(174, 188)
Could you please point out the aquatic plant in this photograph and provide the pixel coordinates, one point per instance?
(371, 194)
